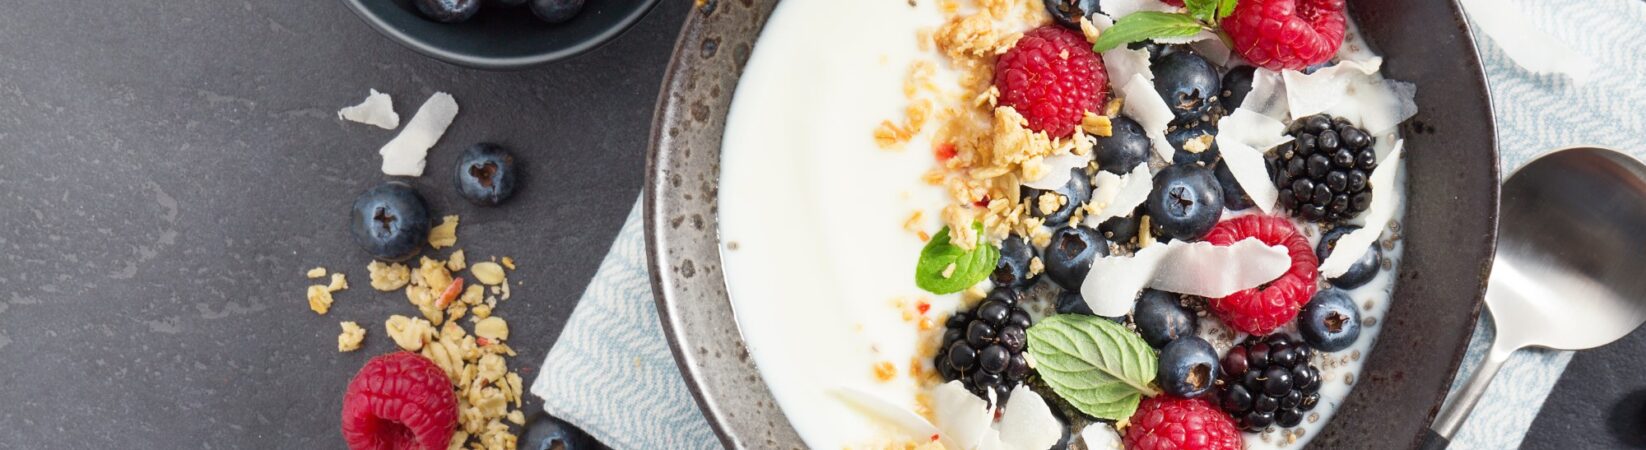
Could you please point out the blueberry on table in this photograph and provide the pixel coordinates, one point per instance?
(1075, 192)
(390, 221)
(544, 432)
(1069, 12)
(1012, 269)
(1186, 202)
(1363, 269)
(1330, 321)
(1124, 148)
(556, 11)
(1069, 255)
(447, 11)
(1236, 84)
(486, 174)
(1188, 83)
(1161, 318)
(1188, 367)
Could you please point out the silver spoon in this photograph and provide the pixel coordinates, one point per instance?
(1567, 275)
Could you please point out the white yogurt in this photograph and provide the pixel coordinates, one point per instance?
(812, 213)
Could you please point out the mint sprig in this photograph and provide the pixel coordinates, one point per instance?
(1145, 25)
(933, 272)
(1098, 366)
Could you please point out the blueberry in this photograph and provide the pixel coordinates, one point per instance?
(1124, 148)
(1069, 12)
(1070, 302)
(1187, 367)
(486, 174)
(1234, 196)
(1161, 318)
(1012, 269)
(1363, 270)
(1070, 254)
(1188, 83)
(1077, 191)
(447, 11)
(1155, 49)
(545, 432)
(1330, 321)
(1186, 202)
(1181, 136)
(556, 11)
(1236, 84)
(390, 221)
(1122, 229)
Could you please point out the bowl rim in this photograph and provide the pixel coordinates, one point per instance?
(731, 393)
(430, 49)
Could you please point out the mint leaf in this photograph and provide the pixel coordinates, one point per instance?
(1143, 25)
(970, 267)
(1202, 10)
(1098, 366)
(1225, 8)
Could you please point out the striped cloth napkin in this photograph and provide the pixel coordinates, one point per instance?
(612, 374)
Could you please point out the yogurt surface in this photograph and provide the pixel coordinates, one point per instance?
(818, 224)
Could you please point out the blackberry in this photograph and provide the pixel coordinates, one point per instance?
(983, 347)
(1268, 381)
(1322, 173)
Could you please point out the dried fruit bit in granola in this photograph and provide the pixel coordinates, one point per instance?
(493, 328)
(349, 340)
(388, 276)
(451, 293)
(319, 299)
(409, 333)
(338, 282)
(317, 272)
(487, 272)
(445, 234)
(457, 261)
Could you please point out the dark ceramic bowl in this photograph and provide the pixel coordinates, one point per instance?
(1449, 229)
(500, 38)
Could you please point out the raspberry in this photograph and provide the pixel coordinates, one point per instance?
(1259, 310)
(1172, 423)
(1052, 78)
(399, 401)
(1286, 34)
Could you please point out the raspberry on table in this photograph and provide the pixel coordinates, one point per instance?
(1052, 77)
(1259, 310)
(399, 401)
(1165, 422)
(1286, 34)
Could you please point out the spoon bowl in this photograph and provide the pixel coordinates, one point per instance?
(1566, 275)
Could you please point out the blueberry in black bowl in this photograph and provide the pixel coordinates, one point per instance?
(1075, 192)
(1330, 321)
(1122, 229)
(1362, 271)
(448, 11)
(1012, 269)
(390, 221)
(1188, 83)
(1070, 302)
(1185, 203)
(1161, 318)
(1069, 12)
(1124, 148)
(1234, 196)
(1069, 255)
(1188, 367)
(1236, 84)
(1197, 143)
(486, 174)
(556, 11)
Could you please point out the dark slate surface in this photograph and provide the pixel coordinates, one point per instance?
(1600, 401)
(169, 169)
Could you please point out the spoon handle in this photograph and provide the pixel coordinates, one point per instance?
(1454, 412)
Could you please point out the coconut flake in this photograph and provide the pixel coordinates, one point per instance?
(1352, 246)
(377, 109)
(1027, 422)
(1121, 8)
(1527, 44)
(1119, 195)
(1145, 106)
(1057, 170)
(1309, 94)
(1213, 50)
(963, 418)
(1123, 63)
(1198, 268)
(1246, 135)
(403, 155)
(903, 418)
(1268, 94)
(1100, 436)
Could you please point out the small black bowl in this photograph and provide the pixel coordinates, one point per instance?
(501, 37)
